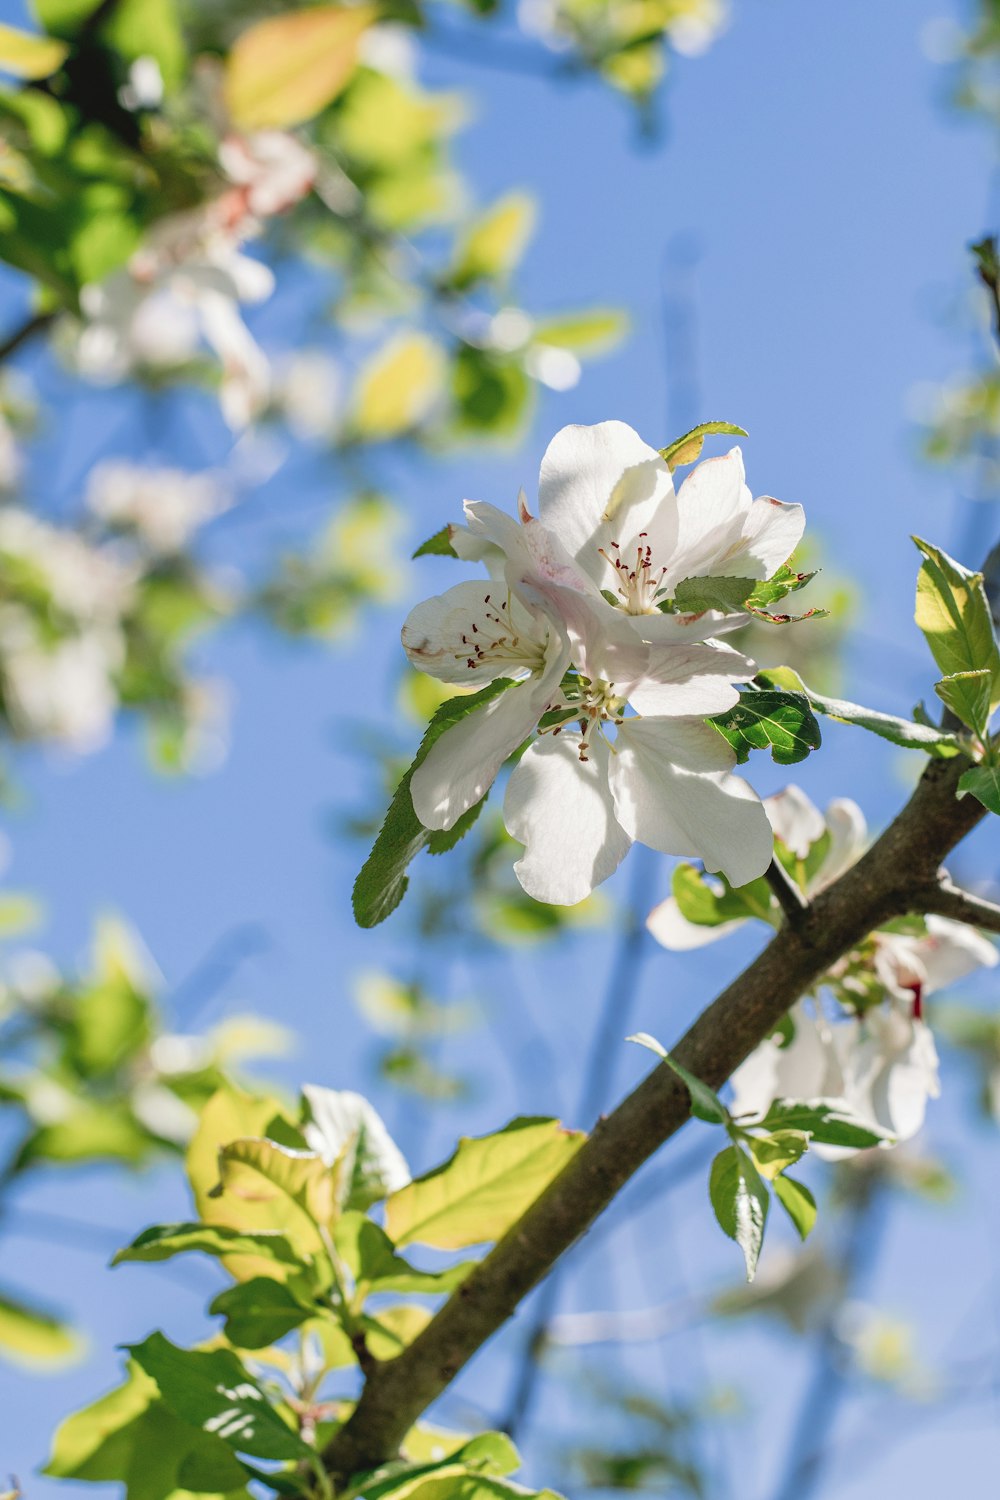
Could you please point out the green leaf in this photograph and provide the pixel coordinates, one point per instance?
(397, 387)
(826, 1123)
(887, 726)
(798, 1203)
(260, 1312)
(130, 1436)
(272, 1186)
(287, 68)
(438, 545)
(740, 1198)
(686, 449)
(728, 594)
(31, 1336)
(779, 720)
(592, 332)
(345, 1128)
(493, 244)
(968, 695)
(699, 903)
(28, 55)
(214, 1390)
(705, 1103)
(163, 1241)
(382, 883)
(773, 1153)
(984, 784)
(769, 590)
(954, 615)
(483, 1188)
(369, 1255)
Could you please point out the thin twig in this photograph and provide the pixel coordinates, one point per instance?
(943, 899)
(791, 900)
(35, 324)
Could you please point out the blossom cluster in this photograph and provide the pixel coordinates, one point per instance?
(578, 618)
(870, 1048)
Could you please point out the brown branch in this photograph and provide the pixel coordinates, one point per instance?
(791, 900)
(35, 324)
(882, 885)
(944, 899)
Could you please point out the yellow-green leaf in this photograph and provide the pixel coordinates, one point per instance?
(398, 386)
(33, 1337)
(494, 243)
(480, 1191)
(287, 68)
(28, 55)
(268, 1186)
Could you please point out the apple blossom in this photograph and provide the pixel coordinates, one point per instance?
(163, 507)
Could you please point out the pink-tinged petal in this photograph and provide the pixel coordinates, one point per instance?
(473, 633)
(603, 484)
(671, 929)
(796, 821)
(463, 764)
(660, 629)
(951, 950)
(694, 680)
(561, 809)
(672, 791)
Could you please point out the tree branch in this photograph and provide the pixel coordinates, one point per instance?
(943, 899)
(35, 324)
(882, 885)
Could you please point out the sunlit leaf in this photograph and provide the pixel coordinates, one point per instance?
(398, 386)
(984, 784)
(898, 731)
(954, 615)
(740, 1200)
(686, 449)
(287, 68)
(31, 1336)
(779, 721)
(28, 55)
(494, 243)
(798, 1203)
(705, 1103)
(163, 1241)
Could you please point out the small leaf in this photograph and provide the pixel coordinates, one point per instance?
(684, 450)
(287, 68)
(705, 1103)
(798, 1203)
(898, 731)
(494, 243)
(163, 1241)
(785, 581)
(773, 1153)
(398, 386)
(483, 1188)
(968, 694)
(954, 615)
(827, 1123)
(740, 1199)
(697, 902)
(728, 594)
(779, 720)
(438, 545)
(214, 1390)
(382, 882)
(260, 1312)
(27, 55)
(369, 1255)
(32, 1336)
(984, 784)
(585, 333)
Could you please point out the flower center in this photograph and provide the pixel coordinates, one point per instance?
(637, 582)
(493, 639)
(596, 704)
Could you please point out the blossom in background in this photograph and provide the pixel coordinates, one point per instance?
(270, 171)
(798, 825)
(163, 507)
(639, 762)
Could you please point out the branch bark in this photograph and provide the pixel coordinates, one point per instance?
(944, 899)
(892, 879)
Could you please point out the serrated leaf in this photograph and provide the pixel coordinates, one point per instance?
(346, 1129)
(438, 545)
(686, 449)
(740, 1199)
(483, 1188)
(785, 581)
(968, 695)
(27, 55)
(382, 883)
(773, 1153)
(903, 732)
(272, 1186)
(260, 1312)
(705, 1103)
(984, 784)
(798, 1203)
(287, 68)
(828, 1124)
(493, 244)
(694, 595)
(163, 1241)
(954, 614)
(213, 1390)
(780, 721)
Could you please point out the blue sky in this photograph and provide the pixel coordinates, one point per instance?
(829, 197)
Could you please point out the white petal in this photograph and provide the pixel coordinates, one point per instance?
(672, 929)
(453, 636)
(665, 629)
(848, 835)
(713, 504)
(808, 1068)
(771, 534)
(463, 764)
(951, 950)
(796, 821)
(561, 809)
(603, 484)
(672, 791)
(694, 679)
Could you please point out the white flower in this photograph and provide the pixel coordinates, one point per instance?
(913, 967)
(90, 583)
(272, 168)
(310, 393)
(165, 507)
(579, 797)
(65, 691)
(798, 825)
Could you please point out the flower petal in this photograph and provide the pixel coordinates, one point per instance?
(771, 534)
(561, 809)
(694, 680)
(454, 636)
(713, 504)
(671, 929)
(951, 950)
(672, 791)
(603, 484)
(848, 835)
(796, 820)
